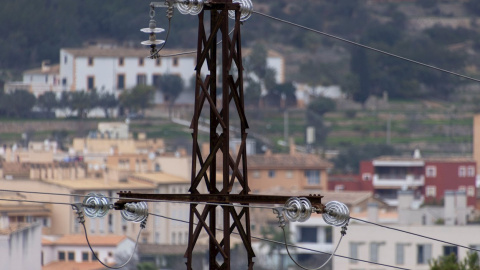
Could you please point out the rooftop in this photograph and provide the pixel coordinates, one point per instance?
(113, 51)
(288, 161)
(80, 240)
(159, 178)
(73, 266)
(427, 159)
(53, 69)
(101, 184)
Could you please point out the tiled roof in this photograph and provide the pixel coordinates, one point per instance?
(15, 227)
(160, 178)
(97, 51)
(431, 159)
(112, 51)
(25, 208)
(53, 69)
(73, 266)
(287, 161)
(101, 184)
(80, 240)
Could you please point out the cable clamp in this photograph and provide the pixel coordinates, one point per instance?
(281, 218)
(78, 207)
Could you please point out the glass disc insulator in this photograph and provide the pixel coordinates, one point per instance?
(156, 42)
(152, 30)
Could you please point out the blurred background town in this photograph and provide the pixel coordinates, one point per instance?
(82, 110)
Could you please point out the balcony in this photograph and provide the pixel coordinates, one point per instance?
(398, 181)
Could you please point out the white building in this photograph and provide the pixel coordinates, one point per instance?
(114, 69)
(39, 80)
(381, 245)
(20, 247)
(73, 251)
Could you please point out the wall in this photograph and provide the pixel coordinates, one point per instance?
(20, 250)
(365, 234)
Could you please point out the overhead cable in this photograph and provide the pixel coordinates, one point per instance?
(365, 46)
(415, 234)
(291, 245)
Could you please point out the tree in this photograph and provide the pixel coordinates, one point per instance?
(321, 105)
(349, 159)
(107, 101)
(83, 102)
(252, 92)
(450, 262)
(138, 98)
(47, 101)
(171, 86)
(18, 103)
(64, 103)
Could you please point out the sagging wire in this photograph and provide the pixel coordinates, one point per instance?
(300, 209)
(136, 212)
(290, 245)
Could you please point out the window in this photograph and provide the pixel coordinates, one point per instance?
(471, 171)
(308, 235)
(288, 174)
(447, 250)
(431, 171)
(61, 255)
(367, 176)
(65, 59)
(462, 171)
(271, 173)
(354, 252)
(158, 62)
(328, 235)
(64, 81)
(90, 82)
(339, 187)
(374, 248)
(110, 223)
(121, 81)
(462, 188)
(424, 253)
(173, 238)
(121, 61)
(90, 61)
(175, 61)
(71, 256)
(85, 256)
(141, 79)
(256, 174)
(313, 177)
(431, 191)
(471, 191)
(156, 81)
(141, 61)
(400, 253)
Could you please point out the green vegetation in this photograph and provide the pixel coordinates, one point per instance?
(451, 262)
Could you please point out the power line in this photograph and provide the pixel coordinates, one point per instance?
(142, 199)
(14, 200)
(291, 245)
(220, 204)
(415, 234)
(366, 47)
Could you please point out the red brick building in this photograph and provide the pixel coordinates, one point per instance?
(427, 177)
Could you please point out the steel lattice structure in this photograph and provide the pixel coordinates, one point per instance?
(203, 207)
